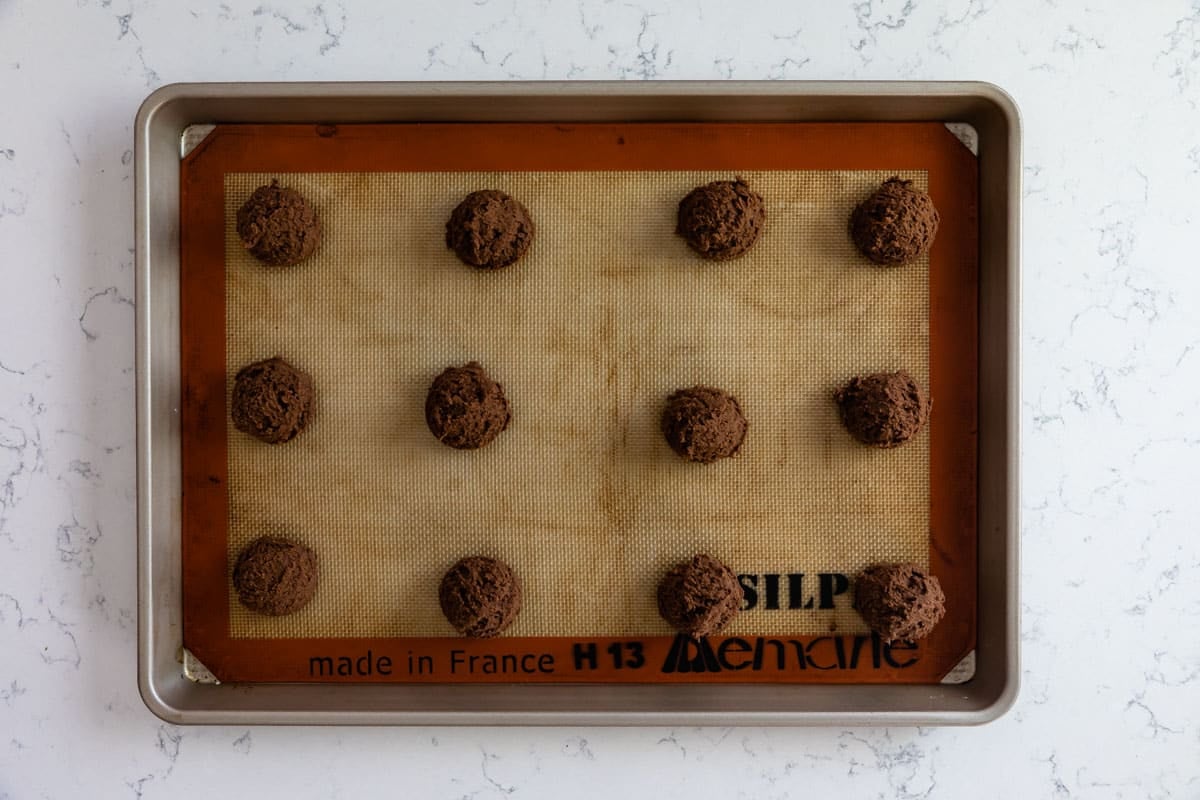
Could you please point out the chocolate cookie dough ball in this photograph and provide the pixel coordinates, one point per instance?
(274, 576)
(480, 596)
(489, 230)
(699, 597)
(278, 226)
(900, 602)
(885, 409)
(895, 225)
(721, 220)
(466, 409)
(272, 400)
(704, 424)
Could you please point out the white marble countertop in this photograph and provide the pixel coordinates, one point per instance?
(1110, 697)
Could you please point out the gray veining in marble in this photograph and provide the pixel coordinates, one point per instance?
(1111, 615)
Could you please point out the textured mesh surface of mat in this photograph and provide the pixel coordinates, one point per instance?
(606, 315)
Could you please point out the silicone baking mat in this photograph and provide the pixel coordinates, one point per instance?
(606, 315)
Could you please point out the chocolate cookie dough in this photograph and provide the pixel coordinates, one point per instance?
(721, 220)
(885, 409)
(274, 576)
(489, 230)
(278, 226)
(480, 596)
(272, 400)
(895, 225)
(699, 597)
(900, 602)
(703, 424)
(466, 409)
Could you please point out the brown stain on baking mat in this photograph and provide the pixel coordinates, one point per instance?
(606, 315)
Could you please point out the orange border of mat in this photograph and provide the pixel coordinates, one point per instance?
(953, 297)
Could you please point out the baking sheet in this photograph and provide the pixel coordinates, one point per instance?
(176, 568)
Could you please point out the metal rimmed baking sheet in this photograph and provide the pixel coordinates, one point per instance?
(169, 112)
